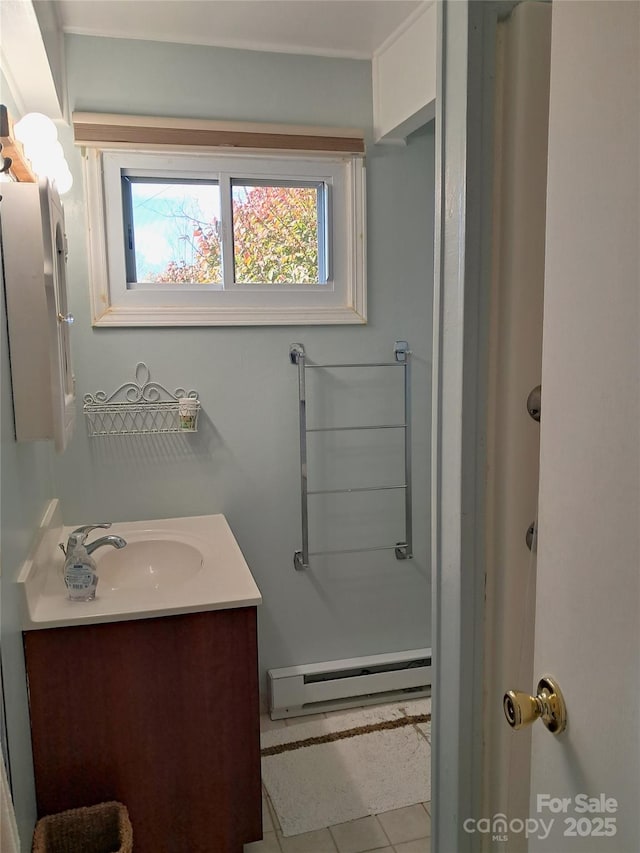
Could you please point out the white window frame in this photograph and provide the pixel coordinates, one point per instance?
(341, 300)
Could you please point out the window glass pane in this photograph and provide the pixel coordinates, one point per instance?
(172, 230)
(277, 232)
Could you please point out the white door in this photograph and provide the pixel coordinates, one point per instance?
(586, 781)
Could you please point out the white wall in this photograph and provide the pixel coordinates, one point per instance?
(404, 77)
(32, 58)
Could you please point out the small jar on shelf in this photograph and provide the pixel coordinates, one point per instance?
(188, 408)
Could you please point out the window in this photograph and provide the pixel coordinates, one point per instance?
(226, 239)
(279, 232)
(171, 233)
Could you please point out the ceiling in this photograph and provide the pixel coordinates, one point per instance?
(347, 28)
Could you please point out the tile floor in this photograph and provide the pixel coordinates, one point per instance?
(406, 830)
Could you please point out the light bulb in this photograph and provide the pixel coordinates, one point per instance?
(36, 129)
(63, 181)
(47, 161)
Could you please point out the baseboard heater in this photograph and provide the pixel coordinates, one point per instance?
(317, 687)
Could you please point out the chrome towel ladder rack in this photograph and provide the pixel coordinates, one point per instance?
(402, 358)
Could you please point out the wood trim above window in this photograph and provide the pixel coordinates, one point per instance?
(111, 130)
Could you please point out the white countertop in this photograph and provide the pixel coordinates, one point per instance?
(217, 579)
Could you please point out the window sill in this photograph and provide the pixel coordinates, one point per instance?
(250, 316)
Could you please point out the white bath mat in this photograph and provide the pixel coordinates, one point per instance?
(370, 769)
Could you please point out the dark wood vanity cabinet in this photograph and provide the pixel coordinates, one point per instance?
(160, 714)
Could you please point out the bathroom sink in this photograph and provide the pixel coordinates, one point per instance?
(168, 566)
(148, 564)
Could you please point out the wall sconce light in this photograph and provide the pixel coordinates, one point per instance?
(34, 150)
(39, 138)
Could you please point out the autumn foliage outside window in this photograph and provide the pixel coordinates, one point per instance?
(275, 234)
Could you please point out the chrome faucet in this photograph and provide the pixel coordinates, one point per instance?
(79, 536)
(116, 541)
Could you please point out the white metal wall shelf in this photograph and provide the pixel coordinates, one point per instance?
(403, 550)
(142, 407)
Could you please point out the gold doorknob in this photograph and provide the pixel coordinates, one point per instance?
(522, 709)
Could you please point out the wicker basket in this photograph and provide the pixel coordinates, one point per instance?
(104, 828)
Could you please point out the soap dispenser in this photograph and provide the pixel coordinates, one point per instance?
(80, 575)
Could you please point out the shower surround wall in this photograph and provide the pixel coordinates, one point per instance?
(244, 460)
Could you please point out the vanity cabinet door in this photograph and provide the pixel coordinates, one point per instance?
(160, 714)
